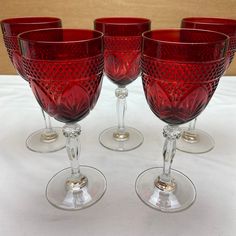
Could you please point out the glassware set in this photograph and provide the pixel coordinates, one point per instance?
(180, 70)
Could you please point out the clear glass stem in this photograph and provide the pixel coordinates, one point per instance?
(47, 121)
(190, 135)
(76, 180)
(192, 125)
(165, 181)
(121, 106)
(72, 132)
(48, 135)
(168, 154)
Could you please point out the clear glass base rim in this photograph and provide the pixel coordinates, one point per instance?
(82, 208)
(161, 209)
(128, 128)
(197, 151)
(38, 133)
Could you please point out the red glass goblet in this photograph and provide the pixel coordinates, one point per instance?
(195, 140)
(65, 68)
(180, 71)
(122, 53)
(50, 138)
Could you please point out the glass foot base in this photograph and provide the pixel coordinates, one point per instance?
(205, 143)
(182, 197)
(60, 197)
(34, 142)
(134, 140)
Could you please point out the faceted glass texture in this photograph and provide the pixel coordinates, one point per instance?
(66, 87)
(13, 26)
(179, 92)
(178, 88)
(66, 90)
(122, 58)
(12, 47)
(122, 47)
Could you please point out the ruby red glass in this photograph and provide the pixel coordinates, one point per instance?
(222, 25)
(122, 53)
(181, 69)
(195, 140)
(65, 68)
(50, 138)
(13, 26)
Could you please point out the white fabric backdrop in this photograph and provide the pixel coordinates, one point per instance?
(24, 174)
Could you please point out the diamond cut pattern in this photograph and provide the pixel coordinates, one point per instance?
(178, 92)
(11, 43)
(122, 58)
(59, 70)
(67, 90)
(12, 46)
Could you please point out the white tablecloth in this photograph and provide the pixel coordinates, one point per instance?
(24, 174)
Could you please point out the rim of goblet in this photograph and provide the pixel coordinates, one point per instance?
(21, 36)
(13, 21)
(185, 43)
(210, 20)
(142, 20)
